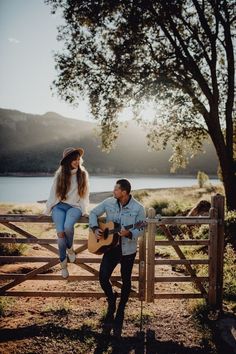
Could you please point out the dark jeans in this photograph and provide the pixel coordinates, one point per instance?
(109, 262)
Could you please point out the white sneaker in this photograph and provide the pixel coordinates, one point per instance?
(64, 270)
(71, 255)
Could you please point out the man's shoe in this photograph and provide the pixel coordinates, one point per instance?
(64, 270)
(118, 321)
(71, 255)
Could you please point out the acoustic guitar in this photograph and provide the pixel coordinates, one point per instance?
(110, 237)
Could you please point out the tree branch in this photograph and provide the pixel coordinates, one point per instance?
(190, 61)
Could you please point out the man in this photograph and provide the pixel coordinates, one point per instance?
(125, 210)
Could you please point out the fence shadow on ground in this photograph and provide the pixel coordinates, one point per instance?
(139, 343)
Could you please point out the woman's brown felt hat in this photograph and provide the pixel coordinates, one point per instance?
(69, 151)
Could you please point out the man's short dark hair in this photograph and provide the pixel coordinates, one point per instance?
(124, 185)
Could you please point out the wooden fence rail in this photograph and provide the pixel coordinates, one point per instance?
(147, 263)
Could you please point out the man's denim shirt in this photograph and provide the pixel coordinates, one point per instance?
(131, 213)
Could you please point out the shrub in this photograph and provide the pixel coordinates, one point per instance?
(5, 303)
(229, 273)
(174, 208)
(159, 205)
(203, 179)
(11, 249)
(19, 210)
(140, 195)
(201, 232)
(230, 226)
(168, 208)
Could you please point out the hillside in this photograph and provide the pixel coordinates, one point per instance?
(34, 143)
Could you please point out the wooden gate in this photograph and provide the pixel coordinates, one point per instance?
(146, 261)
(214, 261)
(83, 261)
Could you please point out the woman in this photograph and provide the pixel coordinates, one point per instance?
(68, 201)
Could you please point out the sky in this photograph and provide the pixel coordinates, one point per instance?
(28, 34)
(28, 40)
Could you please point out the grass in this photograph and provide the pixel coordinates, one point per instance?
(229, 274)
(202, 315)
(140, 195)
(5, 305)
(200, 309)
(20, 210)
(58, 308)
(11, 249)
(135, 317)
(170, 208)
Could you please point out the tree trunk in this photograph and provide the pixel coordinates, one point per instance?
(225, 156)
(229, 181)
(229, 178)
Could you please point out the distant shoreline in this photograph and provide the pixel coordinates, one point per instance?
(43, 174)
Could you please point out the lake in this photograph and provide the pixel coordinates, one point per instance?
(33, 189)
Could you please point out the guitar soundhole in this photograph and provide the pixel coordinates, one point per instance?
(105, 233)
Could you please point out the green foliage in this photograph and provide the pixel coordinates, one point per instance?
(159, 205)
(230, 218)
(168, 208)
(124, 53)
(202, 232)
(174, 208)
(229, 274)
(202, 179)
(230, 226)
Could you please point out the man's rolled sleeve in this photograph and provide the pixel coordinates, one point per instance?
(94, 214)
(140, 217)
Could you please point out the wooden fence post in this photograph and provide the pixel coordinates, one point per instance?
(212, 251)
(220, 205)
(142, 267)
(151, 256)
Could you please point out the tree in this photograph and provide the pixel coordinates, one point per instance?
(177, 53)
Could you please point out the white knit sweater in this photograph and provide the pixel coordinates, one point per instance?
(72, 197)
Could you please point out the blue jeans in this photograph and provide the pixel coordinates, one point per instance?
(64, 217)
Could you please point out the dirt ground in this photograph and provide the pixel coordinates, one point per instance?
(38, 326)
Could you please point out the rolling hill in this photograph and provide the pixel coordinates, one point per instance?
(33, 144)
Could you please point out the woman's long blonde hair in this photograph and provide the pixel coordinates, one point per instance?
(63, 175)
